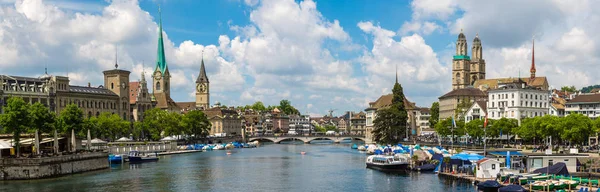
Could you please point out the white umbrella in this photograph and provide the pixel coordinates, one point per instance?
(124, 139)
(168, 138)
(96, 140)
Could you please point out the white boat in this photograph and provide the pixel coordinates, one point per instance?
(362, 148)
(387, 162)
(229, 146)
(219, 147)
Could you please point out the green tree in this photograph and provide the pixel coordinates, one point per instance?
(197, 123)
(475, 128)
(505, 126)
(320, 129)
(462, 108)
(154, 120)
(72, 122)
(577, 128)
(258, 106)
(110, 126)
(387, 128)
(571, 88)
(16, 119)
(331, 128)
(529, 129)
(173, 125)
(286, 107)
(443, 128)
(434, 111)
(42, 120)
(140, 131)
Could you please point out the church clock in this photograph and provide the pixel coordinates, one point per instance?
(201, 88)
(157, 75)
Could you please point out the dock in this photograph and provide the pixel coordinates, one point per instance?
(178, 152)
(474, 180)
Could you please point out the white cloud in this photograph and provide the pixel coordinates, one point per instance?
(438, 9)
(424, 28)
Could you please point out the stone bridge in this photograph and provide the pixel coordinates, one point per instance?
(305, 139)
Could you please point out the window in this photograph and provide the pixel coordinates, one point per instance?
(513, 95)
(525, 96)
(492, 96)
(493, 166)
(512, 103)
(157, 86)
(535, 96)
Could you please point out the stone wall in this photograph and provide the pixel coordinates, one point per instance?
(36, 168)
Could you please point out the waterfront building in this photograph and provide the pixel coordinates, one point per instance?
(586, 104)
(224, 121)
(253, 124)
(56, 93)
(281, 122)
(343, 123)
(383, 102)
(423, 116)
(139, 99)
(517, 101)
(467, 70)
(487, 168)
(460, 99)
(299, 124)
(357, 124)
(477, 111)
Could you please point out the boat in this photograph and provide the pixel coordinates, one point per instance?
(489, 186)
(303, 153)
(354, 146)
(219, 147)
(141, 157)
(229, 146)
(115, 159)
(569, 184)
(425, 168)
(387, 162)
(362, 148)
(523, 180)
(542, 185)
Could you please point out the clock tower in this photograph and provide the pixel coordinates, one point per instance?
(161, 77)
(202, 88)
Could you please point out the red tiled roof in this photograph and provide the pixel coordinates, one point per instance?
(134, 88)
(588, 98)
(469, 91)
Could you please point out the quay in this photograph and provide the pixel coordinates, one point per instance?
(38, 168)
(474, 181)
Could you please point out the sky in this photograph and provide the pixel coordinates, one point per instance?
(319, 54)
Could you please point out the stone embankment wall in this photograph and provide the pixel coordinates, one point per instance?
(36, 168)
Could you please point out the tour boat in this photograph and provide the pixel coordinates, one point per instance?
(387, 163)
(140, 157)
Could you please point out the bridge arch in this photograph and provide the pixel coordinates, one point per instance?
(321, 138)
(290, 139)
(262, 139)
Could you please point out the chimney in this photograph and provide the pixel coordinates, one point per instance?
(89, 84)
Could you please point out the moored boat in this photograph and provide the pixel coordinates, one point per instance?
(115, 159)
(362, 148)
(141, 157)
(354, 146)
(387, 163)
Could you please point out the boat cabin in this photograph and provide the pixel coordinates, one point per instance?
(487, 168)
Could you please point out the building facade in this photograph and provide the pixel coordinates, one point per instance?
(383, 102)
(586, 104)
(467, 70)
(161, 78)
(299, 124)
(202, 89)
(423, 116)
(517, 101)
(139, 99)
(451, 101)
(225, 122)
(477, 111)
(56, 93)
(357, 124)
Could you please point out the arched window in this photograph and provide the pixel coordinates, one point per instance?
(112, 85)
(157, 85)
(124, 116)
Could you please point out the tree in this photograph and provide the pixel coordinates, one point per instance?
(286, 107)
(505, 125)
(258, 106)
(140, 131)
(462, 108)
(16, 119)
(72, 122)
(320, 129)
(475, 128)
(110, 126)
(173, 125)
(434, 111)
(197, 123)
(154, 120)
(387, 128)
(42, 121)
(571, 89)
(442, 128)
(331, 128)
(398, 107)
(577, 128)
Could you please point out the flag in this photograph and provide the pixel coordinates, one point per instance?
(485, 122)
(453, 122)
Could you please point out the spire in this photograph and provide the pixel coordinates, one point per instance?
(202, 78)
(396, 73)
(161, 62)
(143, 73)
(116, 58)
(532, 70)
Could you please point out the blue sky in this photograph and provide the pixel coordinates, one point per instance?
(318, 54)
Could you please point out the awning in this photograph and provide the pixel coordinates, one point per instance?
(5, 145)
(503, 153)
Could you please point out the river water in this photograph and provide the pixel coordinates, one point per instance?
(275, 167)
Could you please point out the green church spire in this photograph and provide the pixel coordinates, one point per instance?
(161, 62)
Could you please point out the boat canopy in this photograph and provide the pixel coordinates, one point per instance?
(559, 168)
(512, 188)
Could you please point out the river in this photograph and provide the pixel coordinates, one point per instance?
(275, 167)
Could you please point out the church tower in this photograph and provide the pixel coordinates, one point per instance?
(202, 87)
(117, 81)
(461, 64)
(161, 76)
(477, 62)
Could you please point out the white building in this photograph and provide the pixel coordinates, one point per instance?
(487, 168)
(423, 116)
(586, 104)
(300, 124)
(517, 100)
(477, 111)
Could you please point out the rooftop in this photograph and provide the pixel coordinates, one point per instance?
(586, 98)
(90, 90)
(469, 91)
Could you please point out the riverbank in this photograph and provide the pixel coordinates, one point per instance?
(45, 167)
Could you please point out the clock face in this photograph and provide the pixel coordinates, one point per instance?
(157, 75)
(201, 88)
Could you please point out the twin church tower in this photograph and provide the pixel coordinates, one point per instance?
(467, 70)
(162, 81)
